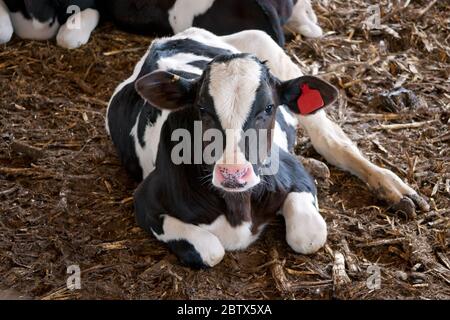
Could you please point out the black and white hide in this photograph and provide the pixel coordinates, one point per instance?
(222, 17)
(70, 21)
(196, 84)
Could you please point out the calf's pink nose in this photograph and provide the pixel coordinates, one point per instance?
(233, 174)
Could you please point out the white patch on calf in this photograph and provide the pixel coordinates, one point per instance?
(232, 238)
(233, 85)
(260, 44)
(147, 154)
(183, 13)
(131, 79)
(289, 117)
(306, 230)
(280, 138)
(6, 28)
(207, 244)
(180, 61)
(70, 37)
(32, 28)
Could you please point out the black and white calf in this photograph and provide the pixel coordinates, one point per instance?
(232, 84)
(221, 17)
(71, 21)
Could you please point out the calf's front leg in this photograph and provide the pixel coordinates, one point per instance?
(6, 27)
(326, 136)
(334, 145)
(194, 246)
(78, 28)
(306, 230)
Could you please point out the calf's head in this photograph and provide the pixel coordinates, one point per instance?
(237, 95)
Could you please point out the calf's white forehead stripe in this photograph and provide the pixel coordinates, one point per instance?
(233, 85)
(180, 61)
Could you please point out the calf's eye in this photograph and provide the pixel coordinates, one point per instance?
(269, 109)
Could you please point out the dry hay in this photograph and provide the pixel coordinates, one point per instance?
(65, 199)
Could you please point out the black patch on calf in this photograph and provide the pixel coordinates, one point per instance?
(276, 30)
(149, 17)
(42, 10)
(172, 47)
(241, 15)
(16, 6)
(201, 64)
(283, 8)
(125, 107)
(45, 10)
(187, 254)
(183, 74)
(64, 4)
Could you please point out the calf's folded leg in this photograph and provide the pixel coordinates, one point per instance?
(6, 27)
(193, 245)
(266, 49)
(78, 28)
(334, 145)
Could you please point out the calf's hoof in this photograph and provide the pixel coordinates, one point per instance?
(202, 256)
(316, 168)
(392, 189)
(409, 203)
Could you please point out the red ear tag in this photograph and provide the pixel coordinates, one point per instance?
(310, 100)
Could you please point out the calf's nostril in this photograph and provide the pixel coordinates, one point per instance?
(233, 173)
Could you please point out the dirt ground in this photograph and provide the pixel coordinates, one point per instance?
(65, 199)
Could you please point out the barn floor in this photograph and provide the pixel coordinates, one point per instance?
(65, 199)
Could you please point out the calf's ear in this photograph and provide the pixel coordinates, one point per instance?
(166, 91)
(307, 94)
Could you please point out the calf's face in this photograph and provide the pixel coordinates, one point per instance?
(238, 96)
